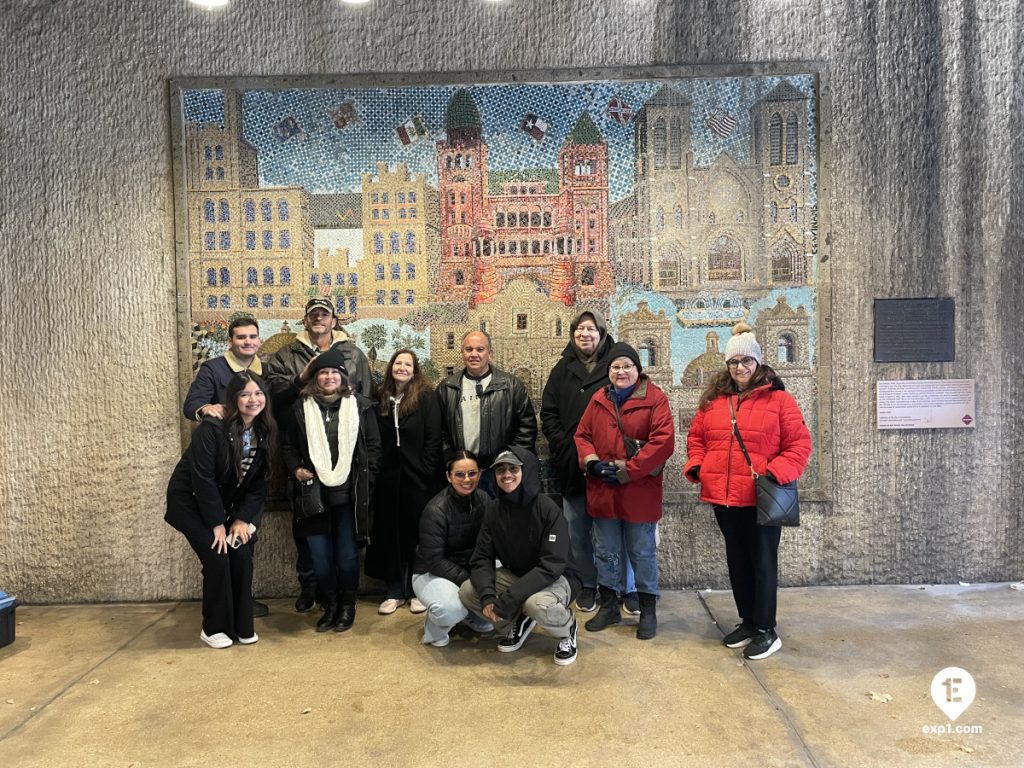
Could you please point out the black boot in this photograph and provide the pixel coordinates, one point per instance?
(608, 613)
(347, 612)
(648, 626)
(329, 619)
(307, 597)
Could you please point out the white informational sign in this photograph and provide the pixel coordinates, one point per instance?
(926, 404)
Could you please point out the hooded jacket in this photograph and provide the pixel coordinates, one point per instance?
(567, 392)
(285, 365)
(507, 417)
(527, 532)
(773, 429)
(645, 415)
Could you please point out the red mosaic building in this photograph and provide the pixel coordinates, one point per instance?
(550, 225)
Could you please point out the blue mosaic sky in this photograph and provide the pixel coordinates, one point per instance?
(323, 158)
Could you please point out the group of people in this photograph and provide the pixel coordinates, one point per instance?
(442, 486)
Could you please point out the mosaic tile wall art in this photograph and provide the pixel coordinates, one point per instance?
(677, 207)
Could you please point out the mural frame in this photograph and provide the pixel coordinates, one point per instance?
(820, 489)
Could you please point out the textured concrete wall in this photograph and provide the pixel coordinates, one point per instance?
(926, 153)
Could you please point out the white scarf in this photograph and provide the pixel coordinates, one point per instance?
(395, 402)
(316, 440)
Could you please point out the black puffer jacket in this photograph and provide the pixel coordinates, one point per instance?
(448, 530)
(566, 394)
(527, 532)
(507, 416)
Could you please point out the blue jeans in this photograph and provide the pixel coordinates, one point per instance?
(618, 543)
(444, 609)
(581, 540)
(336, 555)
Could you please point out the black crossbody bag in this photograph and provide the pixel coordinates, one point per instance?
(777, 504)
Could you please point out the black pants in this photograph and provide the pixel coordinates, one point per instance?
(752, 552)
(227, 582)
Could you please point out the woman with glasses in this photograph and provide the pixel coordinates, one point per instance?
(448, 530)
(624, 438)
(409, 420)
(215, 498)
(779, 443)
(332, 449)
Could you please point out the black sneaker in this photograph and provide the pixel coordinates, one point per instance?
(762, 645)
(521, 628)
(587, 601)
(259, 610)
(739, 637)
(565, 653)
(631, 603)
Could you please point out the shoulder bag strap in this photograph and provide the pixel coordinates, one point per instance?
(736, 431)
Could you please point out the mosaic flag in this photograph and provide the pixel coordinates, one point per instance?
(619, 111)
(721, 122)
(287, 128)
(344, 114)
(412, 130)
(535, 126)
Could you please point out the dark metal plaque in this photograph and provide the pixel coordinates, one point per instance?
(914, 330)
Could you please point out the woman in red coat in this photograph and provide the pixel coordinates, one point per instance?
(623, 467)
(779, 444)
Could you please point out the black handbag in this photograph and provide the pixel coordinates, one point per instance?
(307, 499)
(632, 445)
(777, 503)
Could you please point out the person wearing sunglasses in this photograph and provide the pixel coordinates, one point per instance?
(448, 529)
(779, 443)
(409, 420)
(624, 439)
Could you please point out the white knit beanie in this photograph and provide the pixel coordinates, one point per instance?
(743, 343)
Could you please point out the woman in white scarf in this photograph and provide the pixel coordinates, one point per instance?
(332, 450)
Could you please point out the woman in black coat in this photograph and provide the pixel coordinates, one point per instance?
(409, 420)
(215, 498)
(448, 530)
(332, 451)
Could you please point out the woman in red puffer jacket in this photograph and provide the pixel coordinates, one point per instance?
(779, 444)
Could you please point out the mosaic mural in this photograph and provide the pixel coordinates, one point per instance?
(677, 207)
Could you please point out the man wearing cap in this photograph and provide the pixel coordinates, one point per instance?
(535, 582)
(484, 409)
(206, 394)
(579, 373)
(288, 371)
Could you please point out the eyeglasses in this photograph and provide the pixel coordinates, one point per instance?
(746, 362)
(622, 368)
(472, 474)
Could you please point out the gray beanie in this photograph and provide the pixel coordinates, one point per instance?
(743, 343)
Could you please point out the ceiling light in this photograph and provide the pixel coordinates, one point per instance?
(210, 3)
(355, 2)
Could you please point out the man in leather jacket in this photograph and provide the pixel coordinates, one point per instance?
(485, 409)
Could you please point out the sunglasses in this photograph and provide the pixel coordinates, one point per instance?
(471, 474)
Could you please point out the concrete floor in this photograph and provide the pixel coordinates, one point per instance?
(131, 685)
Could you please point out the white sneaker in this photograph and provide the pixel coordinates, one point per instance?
(416, 606)
(216, 640)
(389, 606)
(441, 643)
(249, 640)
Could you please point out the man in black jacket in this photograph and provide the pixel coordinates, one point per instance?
(288, 371)
(580, 372)
(536, 582)
(484, 409)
